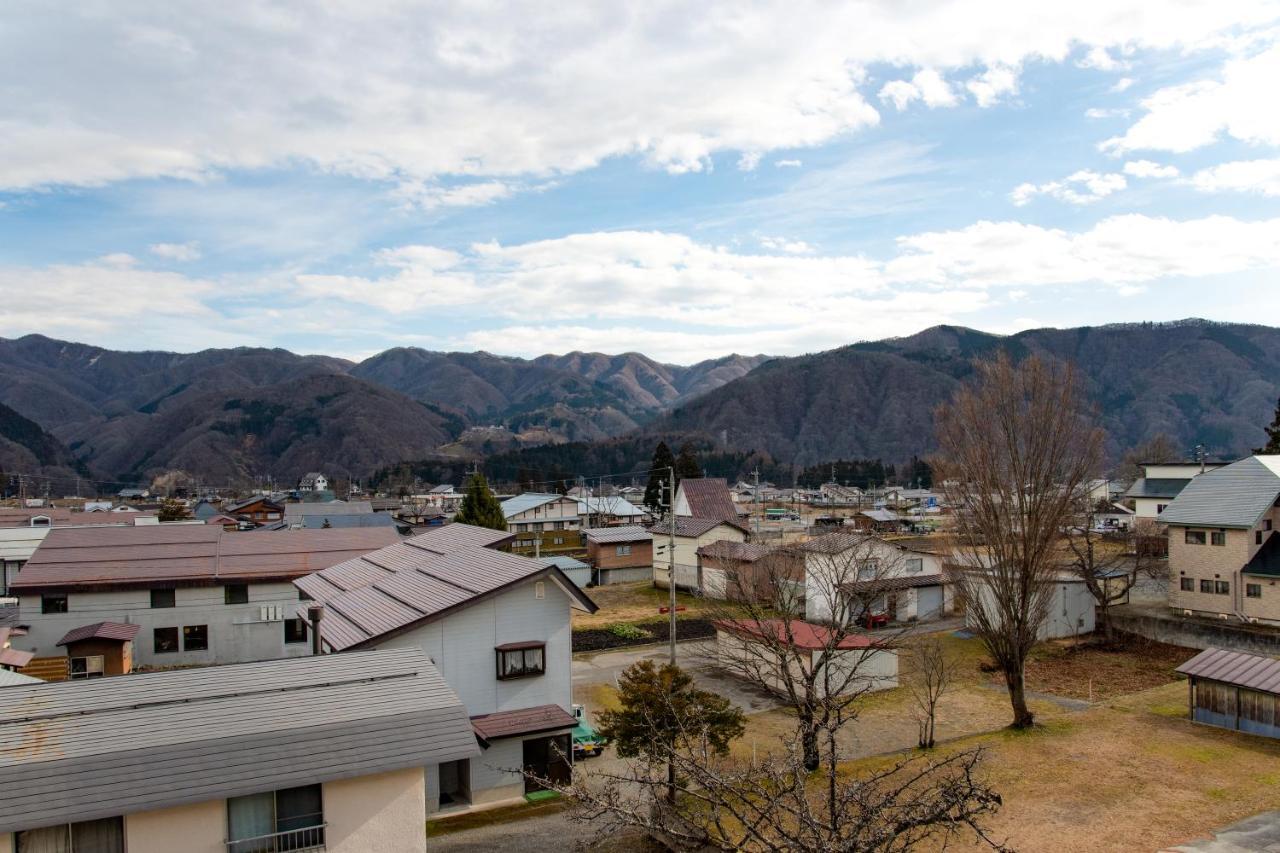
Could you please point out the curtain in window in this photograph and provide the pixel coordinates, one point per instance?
(512, 663)
(98, 836)
(250, 817)
(51, 839)
(533, 660)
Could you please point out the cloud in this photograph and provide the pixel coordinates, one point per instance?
(176, 251)
(1100, 58)
(1122, 85)
(1082, 187)
(429, 195)
(788, 164)
(1101, 112)
(927, 85)
(1148, 169)
(1195, 114)
(488, 95)
(791, 247)
(749, 161)
(1257, 176)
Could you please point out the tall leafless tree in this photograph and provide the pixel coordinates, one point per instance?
(1016, 445)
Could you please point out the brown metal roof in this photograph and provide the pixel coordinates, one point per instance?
(1236, 668)
(892, 583)
(15, 658)
(691, 527)
(100, 631)
(525, 721)
(63, 517)
(418, 579)
(797, 634)
(187, 554)
(709, 497)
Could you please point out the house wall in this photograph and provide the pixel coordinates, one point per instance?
(380, 812)
(687, 561)
(1070, 612)
(560, 514)
(237, 632)
(824, 572)
(196, 827)
(1223, 562)
(1149, 507)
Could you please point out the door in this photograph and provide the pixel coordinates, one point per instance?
(547, 758)
(928, 602)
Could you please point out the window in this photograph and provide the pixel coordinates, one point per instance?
(91, 666)
(236, 593)
(295, 816)
(1222, 587)
(89, 836)
(915, 565)
(1253, 590)
(521, 660)
(622, 551)
(166, 640)
(163, 598)
(1257, 537)
(1218, 537)
(195, 638)
(1187, 584)
(295, 630)
(867, 571)
(1206, 586)
(53, 604)
(1194, 537)
(539, 590)
(557, 540)
(1160, 508)
(537, 527)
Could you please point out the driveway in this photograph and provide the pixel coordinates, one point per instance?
(1257, 834)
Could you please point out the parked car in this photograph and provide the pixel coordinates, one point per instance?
(586, 740)
(873, 620)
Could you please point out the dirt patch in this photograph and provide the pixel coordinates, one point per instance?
(632, 602)
(639, 634)
(1094, 673)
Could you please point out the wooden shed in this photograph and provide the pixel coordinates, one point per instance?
(1234, 690)
(103, 648)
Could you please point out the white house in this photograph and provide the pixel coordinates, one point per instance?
(497, 626)
(690, 535)
(1161, 482)
(901, 578)
(200, 594)
(536, 512)
(313, 481)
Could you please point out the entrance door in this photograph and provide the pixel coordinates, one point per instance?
(547, 758)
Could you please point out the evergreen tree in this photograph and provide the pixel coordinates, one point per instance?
(479, 507)
(687, 464)
(1273, 435)
(659, 476)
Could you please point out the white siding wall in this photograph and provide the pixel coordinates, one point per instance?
(893, 562)
(1071, 610)
(237, 632)
(687, 554)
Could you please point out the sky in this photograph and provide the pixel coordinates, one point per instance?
(685, 180)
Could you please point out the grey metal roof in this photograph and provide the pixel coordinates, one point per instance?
(318, 521)
(81, 750)
(329, 508)
(691, 527)
(564, 564)
(1156, 487)
(527, 501)
(625, 533)
(1234, 496)
(417, 580)
(1236, 668)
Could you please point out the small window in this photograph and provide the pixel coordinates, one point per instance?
(539, 590)
(1187, 584)
(1253, 590)
(1160, 508)
(89, 835)
(166, 640)
(521, 660)
(92, 666)
(1222, 587)
(53, 604)
(295, 631)
(1218, 537)
(236, 593)
(915, 565)
(1257, 537)
(1266, 524)
(163, 598)
(195, 638)
(558, 540)
(1206, 586)
(1194, 537)
(623, 551)
(868, 570)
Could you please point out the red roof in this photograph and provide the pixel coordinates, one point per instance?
(797, 633)
(525, 721)
(100, 631)
(15, 658)
(709, 497)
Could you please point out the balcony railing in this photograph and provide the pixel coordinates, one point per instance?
(294, 840)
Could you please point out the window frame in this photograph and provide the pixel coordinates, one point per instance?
(227, 595)
(1206, 586)
(1218, 538)
(302, 624)
(913, 565)
(186, 645)
(87, 672)
(623, 550)
(1253, 590)
(524, 650)
(1190, 537)
(155, 641)
(173, 598)
(47, 603)
(1186, 584)
(1221, 587)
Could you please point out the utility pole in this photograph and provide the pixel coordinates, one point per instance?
(671, 571)
(755, 499)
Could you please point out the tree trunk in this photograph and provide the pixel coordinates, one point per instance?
(809, 742)
(671, 782)
(1022, 716)
(1104, 620)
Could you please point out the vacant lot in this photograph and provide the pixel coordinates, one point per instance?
(630, 603)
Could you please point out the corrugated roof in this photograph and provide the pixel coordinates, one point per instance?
(614, 506)
(709, 497)
(318, 521)
(1240, 669)
(1236, 495)
(881, 515)
(564, 564)
(795, 633)
(81, 750)
(189, 554)
(527, 501)
(624, 533)
(331, 508)
(15, 658)
(691, 527)
(1156, 487)
(891, 583)
(9, 678)
(524, 721)
(63, 517)
(725, 549)
(100, 631)
(417, 580)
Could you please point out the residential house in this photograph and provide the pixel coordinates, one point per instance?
(313, 481)
(316, 753)
(100, 649)
(705, 497)
(1224, 557)
(690, 535)
(748, 571)
(22, 531)
(880, 521)
(199, 594)
(902, 579)
(1070, 611)
(1161, 482)
(343, 514)
(260, 510)
(133, 494)
(12, 659)
(548, 523)
(496, 624)
(620, 554)
(854, 661)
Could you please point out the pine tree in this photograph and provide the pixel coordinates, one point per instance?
(1273, 435)
(687, 467)
(659, 476)
(479, 507)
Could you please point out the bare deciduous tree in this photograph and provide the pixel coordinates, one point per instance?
(931, 679)
(1015, 448)
(1110, 563)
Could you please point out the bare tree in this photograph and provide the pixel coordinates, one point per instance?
(933, 674)
(1015, 449)
(1159, 448)
(1111, 562)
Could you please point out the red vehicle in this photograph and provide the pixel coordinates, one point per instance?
(873, 620)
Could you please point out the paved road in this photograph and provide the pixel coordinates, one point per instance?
(1257, 834)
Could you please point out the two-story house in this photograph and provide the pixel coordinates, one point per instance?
(690, 534)
(901, 579)
(1224, 559)
(199, 594)
(497, 626)
(1161, 482)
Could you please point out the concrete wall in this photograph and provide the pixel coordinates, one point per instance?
(237, 632)
(1198, 633)
(197, 827)
(608, 576)
(380, 812)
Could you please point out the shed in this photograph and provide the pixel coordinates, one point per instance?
(620, 554)
(575, 570)
(1234, 690)
(103, 648)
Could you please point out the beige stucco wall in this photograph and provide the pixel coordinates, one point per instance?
(687, 552)
(386, 811)
(1222, 562)
(197, 828)
(6, 842)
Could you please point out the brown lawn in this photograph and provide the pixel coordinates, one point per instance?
(1089, 672)
(631, 602)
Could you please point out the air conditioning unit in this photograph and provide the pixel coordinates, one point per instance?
(1224, 617)
(1253, 620)
(1186, 613)
(271, 613)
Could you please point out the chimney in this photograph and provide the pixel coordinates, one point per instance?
(315, 613)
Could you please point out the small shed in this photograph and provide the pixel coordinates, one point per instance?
(103, 648)
(1234, 690)
(620, 554)
(575, 570)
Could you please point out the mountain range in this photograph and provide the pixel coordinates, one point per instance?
(243, 414)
